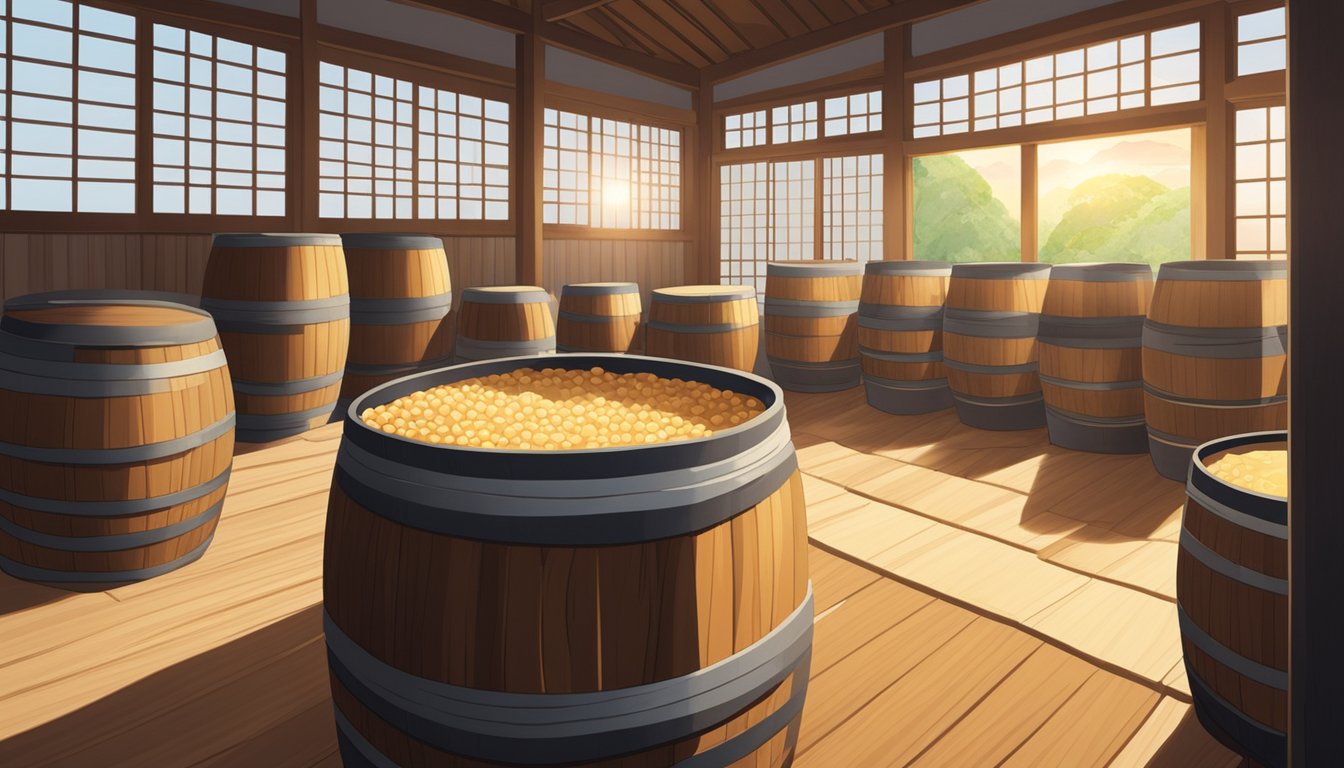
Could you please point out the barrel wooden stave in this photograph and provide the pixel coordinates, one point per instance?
(1214, 355)
(811, 327)
(546, 620)
(715, 325)
(504, 321)
(599, 317)
(900, 336)
(1231, 590)
(120, 476)
(281, 302)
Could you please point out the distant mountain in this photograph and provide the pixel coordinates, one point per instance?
(1143, 152)
(957, 217)
(1119, 217)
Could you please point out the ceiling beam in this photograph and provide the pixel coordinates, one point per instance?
(904, 12)
(676, 73)
(491, 14)
(555, 10)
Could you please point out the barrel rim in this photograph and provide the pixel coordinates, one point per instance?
(272, 239)
(739, 293)
(202, 329)
(1225, 266)
(607, 288)
(814, 268)
(1002, 270)
(1271, 509)
(420, 240)
(505, 294)
(884, 266)
(1140, 270)
(506, 463)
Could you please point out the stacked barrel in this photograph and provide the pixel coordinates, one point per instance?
(504, 321)
(810, 324)
(116, 436)
(1214, 355)
(711, 324)
(900, 336)
(400, 298)
(989, 343)
(282, 306)
(1090, 340)
(598, 317)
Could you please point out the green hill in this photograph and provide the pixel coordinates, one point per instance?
(1122, 218)
(957, 217)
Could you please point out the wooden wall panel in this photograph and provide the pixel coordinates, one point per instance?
(651, 263)
(52, 261)
(476, 261)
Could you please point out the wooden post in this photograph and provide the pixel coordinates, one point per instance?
(705, 193)
(895, 165)
(1030, 219)
(1216, 141)
(531, 116)
(1315, 415)
(302, 202)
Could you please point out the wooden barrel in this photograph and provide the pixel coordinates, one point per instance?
(282, 305)
(400, 298)
(598, 317)
(632, 606)
(116, 437)
(811, 337)
(1232, 604)
(1214, 355)
(1090, 343)
(901, 336)
(989, 343)
(711, 324)
(504, 321)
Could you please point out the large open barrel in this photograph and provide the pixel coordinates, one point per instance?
(989, 343)
(607, 607)
(400, 298)
(1232, 603)
(282, 305)
(504, 321)
(598, 317)
(712, 324)
(116, 436)
(901, 335)
(1090, 343)
(1215, 355)
(810, 327)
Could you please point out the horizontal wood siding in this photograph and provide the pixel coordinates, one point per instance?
(651, 263)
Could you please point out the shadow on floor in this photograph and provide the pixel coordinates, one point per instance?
(264, 695)
(17, 595)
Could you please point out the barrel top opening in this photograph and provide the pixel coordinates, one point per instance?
(274, 239)
(1265, 506)
(814, 268)
(1102, 271)
(1002, 270)
(599, 289)
(119, 314)
(706, 292)
(407, 241)
(1224, 269)
(909, 267)
(505, 294)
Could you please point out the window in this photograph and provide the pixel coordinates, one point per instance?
(852, 207)
(463, 156)
(792, 209)
(1119, 198)
(1161, 67)
(67, 84)
(1262, 183)
(766, 213)
(219, 125)
(795, 122)
(608, 173)
(856, 113)
(1262, 42)
(968, 205)
(744, 130)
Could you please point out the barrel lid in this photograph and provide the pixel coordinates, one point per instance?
(813, 268)
(909, 268)
(1271, 509)
(703, 294)
(274, 239)
(1103, 272)
(1224, 269)
(505, 294)
(1002, 270)
(405, 241)
(96, 319)
(599, 289)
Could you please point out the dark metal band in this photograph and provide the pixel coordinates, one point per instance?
(1106, 272)
(824, 268)
(400, 369)
(796, 308)
(416, 309)
(99, 380)
(127, 455)
(263, 316)
(678, 328)
(991, 325)
(31, 573)
(285, 388)
(990, 370)
(111, 542)
(399, 241)
(599, 289)
(743, 293)
(1001, 270)
(1223, 269)
(1222, 343)
(883, 317)
(265, 427)
(908, 268)
(111, 335)
(469, 350)
(273, 240)
(530, 295)
(1268, 676)
(115, 507)
(594, 319)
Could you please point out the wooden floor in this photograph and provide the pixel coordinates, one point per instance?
(982, 599)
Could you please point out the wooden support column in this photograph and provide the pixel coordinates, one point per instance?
(1030, 219)
(1213, 240)
(704, 192)
(302, 202)
(895, 165)
(531, 55)
(1315, 412)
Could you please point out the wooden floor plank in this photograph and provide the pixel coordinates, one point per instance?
(1091, 727)
(1171, 737)
(834, 578)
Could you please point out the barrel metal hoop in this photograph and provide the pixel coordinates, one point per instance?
(100, 372)
(127, 455)
(990, 370)
(1259, 402)
(574, 317)
(719, 328)
(111, 542)
(1223, 270)
(929, 321)
(746, 293)
(1268, 676)
(1092, 328)
(600, 289)
(112, 335)
(1273, 528)
(484, 296)
(1014, 270)
(1093, 386)
(935, 356)
(384, 241)
(1019, 325)
(275, 240)
(1209, 704)
(1100, 422)
(997, 402)
(283, 388)
(115, 507)
(475, 349)
(530, 728)
(799, 308)
(405, 311)
(906, 384)
(903, 268)
(1102, 273)
(1085, 343)
(1218, 343)
(814, 269)
(234, 316)
(1235, 571)
(401, 369)
(264, 427)
(33, 573)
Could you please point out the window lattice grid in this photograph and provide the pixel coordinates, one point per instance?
(744, 130)
(67, 105)
(793, 122)
(1262, 42)
(365, 145)
(658, 180)
(852, 208)
(855, 113)
(766, 213)
(610, 168)
(792, 209)
(565, 168)
(219, 125)
(1154, 68)
(462, 156)
(1262, 183)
